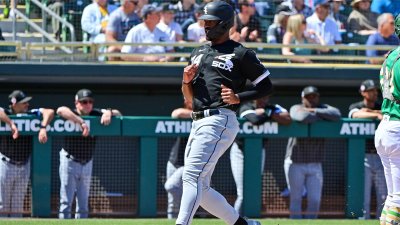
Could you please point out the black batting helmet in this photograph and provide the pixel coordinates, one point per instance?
(222, 11)
(397, 25)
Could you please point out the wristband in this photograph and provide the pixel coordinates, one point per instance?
(268, 112)
(43, 127)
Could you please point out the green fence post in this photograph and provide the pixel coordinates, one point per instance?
(252, 177)
(41, 178)
(148, 177)
(355, 177)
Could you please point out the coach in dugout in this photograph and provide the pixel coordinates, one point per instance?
(76, 157)
(15, 155)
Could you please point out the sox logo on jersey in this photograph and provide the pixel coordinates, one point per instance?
(225, 62)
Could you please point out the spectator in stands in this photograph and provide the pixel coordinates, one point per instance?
(324, 26)
(384, 36)
(361, 20)
(257, 112)
(307, 154)
(386, 6)
(336, 14)
(297, 34)
(95, 18)
(76, 157)
(298, 7)
(247, 22)
(120, 22)
(147, 32)
(278, 28)
(168, 25)
(185, 13)
(370, 108)
(15, 154)
(139, 7)
(175, 163)
(195, 31)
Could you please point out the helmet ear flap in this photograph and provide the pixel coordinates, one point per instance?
(397, 25)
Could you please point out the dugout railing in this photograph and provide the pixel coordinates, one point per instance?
(96, 52)
(132, 148)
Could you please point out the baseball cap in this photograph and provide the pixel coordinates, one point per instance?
(309, 90)
(367, 85)
(356, 1)
(83, 94)
(324, 3)
(166, 7)
(18, 96)
(147, 9)
(284, 10)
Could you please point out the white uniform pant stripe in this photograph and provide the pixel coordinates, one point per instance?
(209, 139)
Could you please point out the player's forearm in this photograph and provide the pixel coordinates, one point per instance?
(67, 114)
(262, 89)
(365, 115)
(48, 115)
(187, 91)
(5, 118)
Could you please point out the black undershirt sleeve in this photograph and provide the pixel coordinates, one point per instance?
(262, 89)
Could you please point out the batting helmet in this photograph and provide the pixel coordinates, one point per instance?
(397, 25)
(222, 11)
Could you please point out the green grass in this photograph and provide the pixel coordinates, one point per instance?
(171, 222)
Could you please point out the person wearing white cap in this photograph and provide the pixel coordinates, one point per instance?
(361, 20)
(15, 155)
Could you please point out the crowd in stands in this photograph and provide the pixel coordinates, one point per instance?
(324, 22)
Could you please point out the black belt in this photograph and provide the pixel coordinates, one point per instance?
(201, 114)
(81, 161)
(17, 163)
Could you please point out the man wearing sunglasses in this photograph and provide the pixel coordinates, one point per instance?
(15, 154)
(120, 22)
(384, 36)
(76, 156)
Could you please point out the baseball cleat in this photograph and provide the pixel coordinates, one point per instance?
(252, 222)
(393, 216)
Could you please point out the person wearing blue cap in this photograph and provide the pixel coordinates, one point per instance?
(147, 32)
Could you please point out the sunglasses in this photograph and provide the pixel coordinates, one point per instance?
(249, 5)
(134, 2)
(84, 102)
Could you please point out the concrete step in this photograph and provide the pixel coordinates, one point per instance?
(25, 37)
(7, 25)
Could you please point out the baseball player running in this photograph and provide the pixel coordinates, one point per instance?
(387, 136)
(214, 82)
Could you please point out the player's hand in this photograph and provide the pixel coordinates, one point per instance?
(42, 135)
(14, 131)
(260, 111)
(85, 129)
(228, 96)
(189, 72)
(253, 35)
(106, 118)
